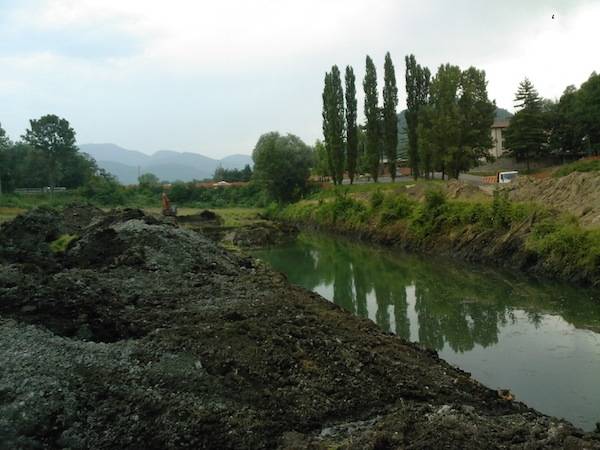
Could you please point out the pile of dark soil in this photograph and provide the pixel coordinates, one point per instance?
(143, 335)
(261, 234)
(206, 217)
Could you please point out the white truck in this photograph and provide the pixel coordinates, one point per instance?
(506, 177)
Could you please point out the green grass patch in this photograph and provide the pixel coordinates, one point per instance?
(9, 213)
(579, 166)
(565, 244)
(60, 245)
(367, 188)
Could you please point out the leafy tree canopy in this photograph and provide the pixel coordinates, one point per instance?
(148, 180)
(55, 139)
(282, 165)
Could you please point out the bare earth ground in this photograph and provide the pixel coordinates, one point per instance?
(577, 193)
(144, 335)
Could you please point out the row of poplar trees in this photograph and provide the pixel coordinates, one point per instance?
(340, 129)
(448, 120)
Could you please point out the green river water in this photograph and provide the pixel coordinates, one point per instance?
(541, 340)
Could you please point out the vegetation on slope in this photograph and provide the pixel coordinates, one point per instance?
(585, 165)
(529, 235)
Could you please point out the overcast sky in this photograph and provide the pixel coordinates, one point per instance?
(211, 76)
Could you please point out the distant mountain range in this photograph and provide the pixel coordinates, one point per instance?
(503, 114)
(167, 165)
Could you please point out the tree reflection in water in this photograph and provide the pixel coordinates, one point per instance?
(433, 300)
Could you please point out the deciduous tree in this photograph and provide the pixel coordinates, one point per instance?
(351, 127)
(334, 123)
(390, 120)
(148, 181)
(417, 95)
(588, 112)
(282, 165)
(372, 115)
(54, 137)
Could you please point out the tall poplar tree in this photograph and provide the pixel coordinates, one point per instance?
(390, 120)
(445, 115)
(333, 123)
(351, 127)
(372, 116)
(417, 95)
(477, 116)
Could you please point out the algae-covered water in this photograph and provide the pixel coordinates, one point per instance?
(541, 340)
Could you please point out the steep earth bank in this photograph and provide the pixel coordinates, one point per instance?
(577, 193)
(134, 333)
(505, 248)
(531, 237)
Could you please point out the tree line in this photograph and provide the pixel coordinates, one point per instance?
(46, 155)
(233, 175)
(569, 126)
(448, 120)
(346, 146)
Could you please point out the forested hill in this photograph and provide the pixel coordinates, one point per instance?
(165, 164)
(502, 114)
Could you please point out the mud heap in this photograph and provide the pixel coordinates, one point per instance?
(138, 334)
(577, 193)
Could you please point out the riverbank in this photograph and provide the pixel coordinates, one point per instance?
(523, 236)
(135, 333)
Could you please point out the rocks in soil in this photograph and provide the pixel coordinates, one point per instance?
(144, 335)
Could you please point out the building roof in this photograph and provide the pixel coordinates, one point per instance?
(500, 123)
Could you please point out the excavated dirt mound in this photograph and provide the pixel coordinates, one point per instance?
(577, 193)
(143, 335)
(205, 217)
(461, 190)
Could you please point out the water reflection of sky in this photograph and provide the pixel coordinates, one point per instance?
(509, 332)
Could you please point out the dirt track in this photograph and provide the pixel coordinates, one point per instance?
(143, 335)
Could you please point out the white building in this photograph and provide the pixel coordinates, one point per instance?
(498, 129)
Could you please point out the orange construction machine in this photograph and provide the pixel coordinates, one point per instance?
(167, 208)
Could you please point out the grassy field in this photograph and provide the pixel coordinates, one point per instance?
(9, 213)
(367, 188)
(233, 217)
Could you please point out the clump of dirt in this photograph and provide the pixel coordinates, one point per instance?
(577, 193)
(146, 335)
(77, 216)
(461, 190)
(263, 234)
(204, 218)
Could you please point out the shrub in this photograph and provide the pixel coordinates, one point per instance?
(579, 166)
(395, 207)
(500, 214)
(376, 199)
(566, 245)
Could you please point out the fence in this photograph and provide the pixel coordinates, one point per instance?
(44, 190)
